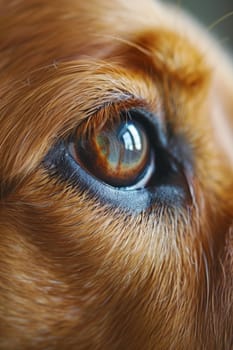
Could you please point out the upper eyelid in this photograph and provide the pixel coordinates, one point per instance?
(98, 89)
(59, 98)
(111, 112)
(84, 90)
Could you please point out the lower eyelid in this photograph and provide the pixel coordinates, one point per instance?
(132, 201)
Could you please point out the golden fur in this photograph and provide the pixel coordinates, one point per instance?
(76, 274)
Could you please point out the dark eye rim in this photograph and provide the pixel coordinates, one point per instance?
(174, 191)
(134, 201)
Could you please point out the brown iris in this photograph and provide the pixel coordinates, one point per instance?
(118, 154)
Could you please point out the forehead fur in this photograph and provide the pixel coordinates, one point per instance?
(52, 78)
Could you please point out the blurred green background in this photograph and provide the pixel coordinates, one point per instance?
(208, 12)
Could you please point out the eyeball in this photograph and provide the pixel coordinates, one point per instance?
(119, 154)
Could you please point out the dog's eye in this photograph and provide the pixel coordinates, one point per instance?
(126, 162)
(118, 154)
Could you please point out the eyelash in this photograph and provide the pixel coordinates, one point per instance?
(165, 182)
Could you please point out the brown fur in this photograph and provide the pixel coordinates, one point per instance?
(75, 274)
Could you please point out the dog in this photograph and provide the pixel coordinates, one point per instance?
(116, 173)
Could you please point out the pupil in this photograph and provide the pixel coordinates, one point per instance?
(118, 155)
(123, 148)
(133, 143)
